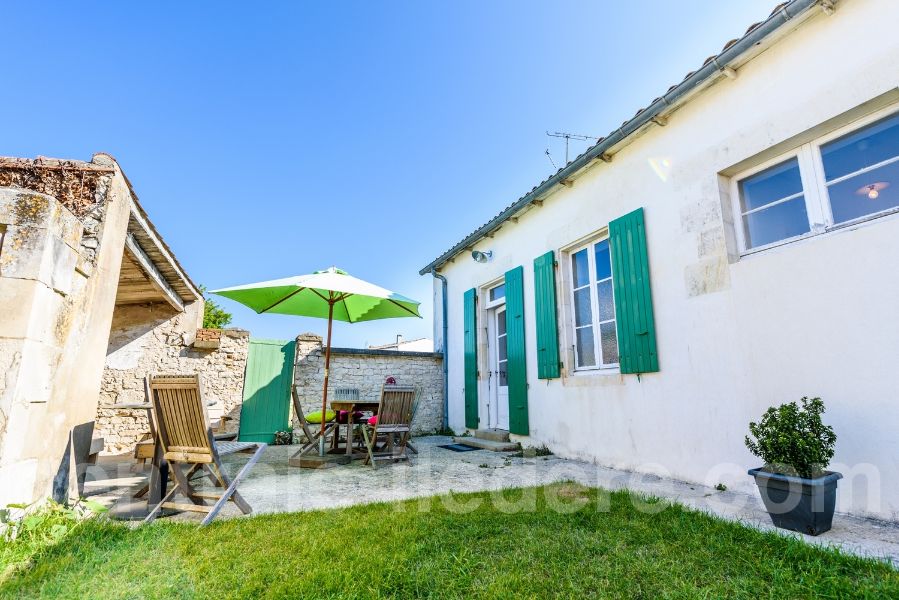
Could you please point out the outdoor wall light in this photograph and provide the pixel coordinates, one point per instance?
(481, 257)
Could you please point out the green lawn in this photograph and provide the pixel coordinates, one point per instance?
(399, 550)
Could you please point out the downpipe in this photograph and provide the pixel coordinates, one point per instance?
(443, 305)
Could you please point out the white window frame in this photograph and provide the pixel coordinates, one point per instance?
(814, 187)
(594, 305)
(488, 303)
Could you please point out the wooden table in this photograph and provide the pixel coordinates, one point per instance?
(352, 406)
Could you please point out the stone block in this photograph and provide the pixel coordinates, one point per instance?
(707, 276)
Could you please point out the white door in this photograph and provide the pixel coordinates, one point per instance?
(498, 406)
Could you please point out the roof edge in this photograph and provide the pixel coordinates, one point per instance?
(714, 66)
(142, 220)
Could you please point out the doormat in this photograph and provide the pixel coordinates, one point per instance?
(459, 447)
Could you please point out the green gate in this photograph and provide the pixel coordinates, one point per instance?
(266, 390)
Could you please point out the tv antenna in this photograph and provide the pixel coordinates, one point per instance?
(572, 136)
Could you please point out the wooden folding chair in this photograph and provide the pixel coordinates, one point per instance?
(393, 425)
(187, 442)
(312, 431)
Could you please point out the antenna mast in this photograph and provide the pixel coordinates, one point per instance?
(572, 136)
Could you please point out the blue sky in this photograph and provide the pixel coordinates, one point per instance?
(268, 140)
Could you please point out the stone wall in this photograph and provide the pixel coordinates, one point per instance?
(367, 370)
(60, 259)
(152, 338)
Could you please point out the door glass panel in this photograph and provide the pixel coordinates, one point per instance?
(583, 312)
(873, 144)
(609, 341)
(503, 376)
(606, 303)
(865, 194)
(501, 323)
(603, 260)
(779, 222)
(502, 347)
(771, 185)
(580, 270)
(585, 348)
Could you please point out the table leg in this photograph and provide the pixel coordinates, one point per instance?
(349, 434)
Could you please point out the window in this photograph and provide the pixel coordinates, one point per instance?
(497, 293)
(839, 179)
(861, 171)
(595, 337)
(773, 205)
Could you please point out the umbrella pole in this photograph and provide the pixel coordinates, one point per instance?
(321, 439)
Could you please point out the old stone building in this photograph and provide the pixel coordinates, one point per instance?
(78, 255)
(92, 301)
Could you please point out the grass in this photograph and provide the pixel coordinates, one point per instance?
(422, 549)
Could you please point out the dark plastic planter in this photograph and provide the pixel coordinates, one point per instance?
(803, 505)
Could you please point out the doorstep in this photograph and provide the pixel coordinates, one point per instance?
(485, 444)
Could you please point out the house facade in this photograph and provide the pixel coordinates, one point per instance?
(729, 248)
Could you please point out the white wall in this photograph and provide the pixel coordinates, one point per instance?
(735, 335)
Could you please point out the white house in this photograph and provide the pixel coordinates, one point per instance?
(731, 247)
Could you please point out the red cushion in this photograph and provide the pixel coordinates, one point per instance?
(373, 421)
(341, 416)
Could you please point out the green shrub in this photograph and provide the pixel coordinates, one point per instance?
(214, 316)
(792, 440)
(28, 529)
(283, 438)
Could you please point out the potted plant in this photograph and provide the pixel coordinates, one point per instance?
(796, 446)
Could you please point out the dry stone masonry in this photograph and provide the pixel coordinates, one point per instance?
(149, 339)
(367, 370)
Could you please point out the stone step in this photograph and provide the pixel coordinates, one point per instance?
(486, 444)
(494, 435)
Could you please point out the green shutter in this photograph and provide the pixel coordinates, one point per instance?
(633, 299)
(517, 365)
(471, 359)
(545, 309)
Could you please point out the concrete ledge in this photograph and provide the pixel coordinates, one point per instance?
(373, 352)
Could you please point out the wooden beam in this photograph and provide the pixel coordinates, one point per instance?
(152, 273)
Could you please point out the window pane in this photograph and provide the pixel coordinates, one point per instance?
(580, 270)
(498, 292)
(777, 223)
(609, 340)
(501, 323)
(852, 198)
(501, 347)
(503, 376)
(585, 352)
(606, 303)
(603, 260)
(583, 313)
(772, 184)
(873, 144)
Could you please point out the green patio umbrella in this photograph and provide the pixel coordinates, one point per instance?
(330, 294)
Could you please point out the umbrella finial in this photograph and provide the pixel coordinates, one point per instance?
(332, 269)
